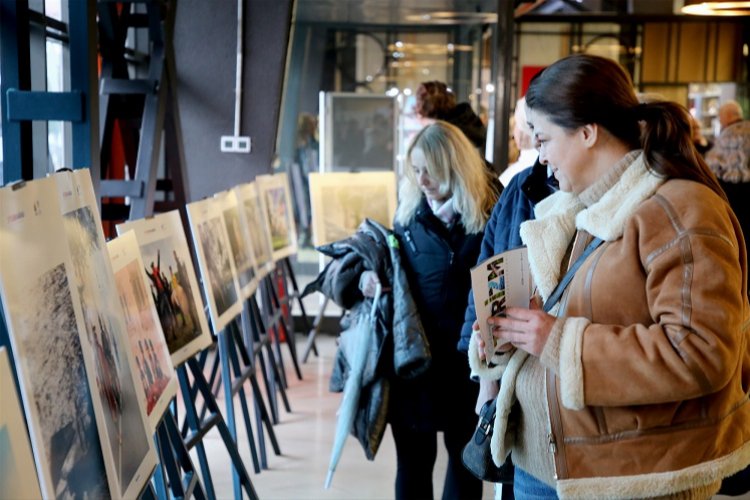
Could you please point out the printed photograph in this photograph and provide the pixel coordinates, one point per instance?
(258, 237)
(278, 217)
(128, 440)
(147, 343)
(242, 255)
(18, 477)
(171, 280)
(342, 201)
(277, 210)
(218, 267)
(50, 359)
(171, 292)
(55, 378)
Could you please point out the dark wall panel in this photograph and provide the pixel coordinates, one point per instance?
(205, 42)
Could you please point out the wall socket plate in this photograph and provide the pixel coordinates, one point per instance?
(235, 144)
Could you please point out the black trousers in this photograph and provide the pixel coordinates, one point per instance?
(416, 453)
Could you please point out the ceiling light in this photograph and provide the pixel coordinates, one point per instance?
(448, 17)
(716, 8)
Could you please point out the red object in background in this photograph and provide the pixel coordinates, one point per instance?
(281, 288)
(527, 73)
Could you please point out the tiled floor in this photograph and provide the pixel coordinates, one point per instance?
(305, 437)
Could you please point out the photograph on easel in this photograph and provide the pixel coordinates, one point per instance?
(39, 308)
(147, 343)
(172, 282)
(239, 242)
(125, 435)
(215, 262)
(255, 222)
(277, 209)
(341, 201)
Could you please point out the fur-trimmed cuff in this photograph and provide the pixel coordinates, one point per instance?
(550, 356)
(480, 368)
(571, 363)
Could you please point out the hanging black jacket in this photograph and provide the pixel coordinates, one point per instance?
(397, 346)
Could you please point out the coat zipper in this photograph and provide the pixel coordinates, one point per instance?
(410, 241)
(555, 442)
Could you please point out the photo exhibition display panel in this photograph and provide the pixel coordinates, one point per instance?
(239, 242)
(215, 262)
(18, 477)
(255, 222)
(75, 377)
(277, 207)
(147, 342)
(341, 201)
(166, 257)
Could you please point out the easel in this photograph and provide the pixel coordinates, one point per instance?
(174, 457)
(288, 273)
(250, 345)
(232, 345)
(275, 322)
(199, 428)
(257, 338)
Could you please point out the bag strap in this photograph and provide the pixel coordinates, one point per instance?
(554, 298)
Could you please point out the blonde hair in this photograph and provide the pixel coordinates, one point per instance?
(454, 162)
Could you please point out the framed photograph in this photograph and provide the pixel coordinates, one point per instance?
(52, 361)
(239, 242)
(167, 261)
(147, 343)
(215, 262)
(17, 473)
(277, 208)
(341, 201)
(358, 132)
(125, 435)
(254, 220)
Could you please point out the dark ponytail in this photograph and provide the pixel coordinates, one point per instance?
(582, 89)
(668, 148)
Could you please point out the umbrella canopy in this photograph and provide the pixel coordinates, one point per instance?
(359, 338)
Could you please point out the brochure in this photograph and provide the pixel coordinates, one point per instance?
(499, 282)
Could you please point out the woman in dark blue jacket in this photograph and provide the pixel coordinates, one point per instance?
(445, 199)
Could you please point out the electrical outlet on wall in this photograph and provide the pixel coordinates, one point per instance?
(235, 144)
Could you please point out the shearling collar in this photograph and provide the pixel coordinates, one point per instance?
(559, 216)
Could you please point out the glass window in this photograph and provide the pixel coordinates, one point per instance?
(55, 83)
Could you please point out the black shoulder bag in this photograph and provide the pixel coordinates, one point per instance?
(476, 455)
